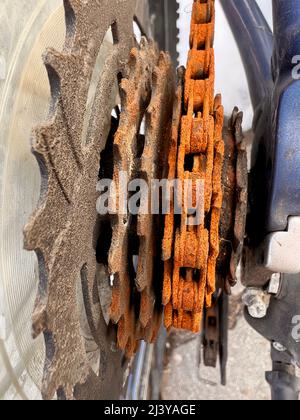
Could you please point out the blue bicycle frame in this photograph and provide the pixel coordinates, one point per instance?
(269, 60)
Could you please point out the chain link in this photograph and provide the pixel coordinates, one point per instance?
(191, 251)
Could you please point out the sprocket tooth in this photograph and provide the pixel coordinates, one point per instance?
(126, 331)
(125, 87)
(43, 142)
(168, 316)
(58, 65)
(116, 309)
(164, 60)
(149, 46)
(39, 144)
(147, 304)
(62, 332)
(218, 101)
(148, 50)
(31, 231)
(149, 113)
(167, 290)
(144, 43)
(238, 120)
(155, 84)
(142, 227)
(54, 61)
(39, 317)
(119, 242)
(69, 393)
(35, 237)
(134, 57)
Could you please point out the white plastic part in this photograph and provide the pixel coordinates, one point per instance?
(274, 285)
(283, 249)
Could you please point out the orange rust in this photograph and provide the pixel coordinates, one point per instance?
(191, 257)
(198, 143)
(168, 315)
(147, 90)
(172, 159)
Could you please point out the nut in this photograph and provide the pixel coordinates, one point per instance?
(279, 347)
(257, 302)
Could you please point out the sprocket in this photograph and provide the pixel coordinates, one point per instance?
(148, 94)
(64, 231)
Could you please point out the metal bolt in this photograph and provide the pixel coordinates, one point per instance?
(279, 347)
(257, 302)
(258, 308)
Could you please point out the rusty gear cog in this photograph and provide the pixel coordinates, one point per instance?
(191, 252)
(147, 99)
(65, 229)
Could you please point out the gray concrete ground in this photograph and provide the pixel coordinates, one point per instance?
(248, 360)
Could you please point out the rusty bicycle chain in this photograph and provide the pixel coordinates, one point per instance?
(190, 252)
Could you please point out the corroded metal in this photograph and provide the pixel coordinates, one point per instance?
(241, 195)
(234, 208)
(191, 252)
(147, 92)
(232, 232)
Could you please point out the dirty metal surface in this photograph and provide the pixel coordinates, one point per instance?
(241, 195)
(190, 252)
(64, 229)
(232, 233)
(147, 98)
(234, 207)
